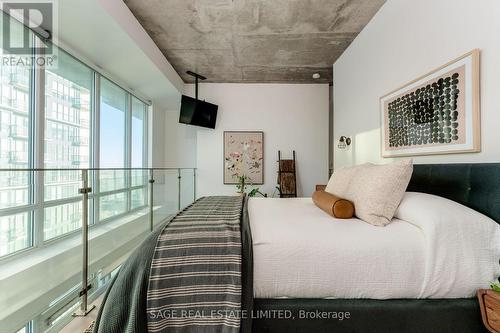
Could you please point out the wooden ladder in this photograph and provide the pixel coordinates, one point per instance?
(287, 178)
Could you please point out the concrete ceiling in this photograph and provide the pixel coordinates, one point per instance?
(254, 40)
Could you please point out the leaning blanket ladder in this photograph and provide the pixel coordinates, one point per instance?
(287, 178)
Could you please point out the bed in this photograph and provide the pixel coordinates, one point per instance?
(294, 279)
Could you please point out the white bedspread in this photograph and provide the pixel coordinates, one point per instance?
(301, 252)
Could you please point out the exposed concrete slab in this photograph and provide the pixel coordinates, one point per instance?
(254, 40)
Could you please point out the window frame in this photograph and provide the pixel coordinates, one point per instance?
(127, 188)
(30, 207)
(36, 150)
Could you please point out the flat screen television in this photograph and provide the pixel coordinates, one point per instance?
(197, 113)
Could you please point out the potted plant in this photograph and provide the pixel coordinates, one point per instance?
(277, 189)
(243, 182)
(256, 191)
(489, 302)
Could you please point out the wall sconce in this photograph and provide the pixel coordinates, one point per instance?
(344, 142)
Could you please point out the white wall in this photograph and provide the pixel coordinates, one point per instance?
(180, 142)
(173, 146)
(157, 137)
(405, 40)
(293, 117)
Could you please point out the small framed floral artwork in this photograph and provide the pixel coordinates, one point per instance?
(243, 156)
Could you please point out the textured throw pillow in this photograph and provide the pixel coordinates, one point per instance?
(377, 190)
(333, 205)
(340, 180)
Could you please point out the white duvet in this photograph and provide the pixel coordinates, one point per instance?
(434, 248)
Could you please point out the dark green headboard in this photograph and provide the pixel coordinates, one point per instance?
(473, 185)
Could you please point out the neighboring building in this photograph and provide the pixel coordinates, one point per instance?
(67, 135)
(14, 154)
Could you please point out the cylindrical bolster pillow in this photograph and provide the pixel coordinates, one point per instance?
(335, 206)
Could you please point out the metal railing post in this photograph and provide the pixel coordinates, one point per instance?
(179, 177)
(151, 184)
(85, 190)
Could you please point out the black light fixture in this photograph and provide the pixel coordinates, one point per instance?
(344, 142)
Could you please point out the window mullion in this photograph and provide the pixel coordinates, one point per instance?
(128, 149)
(145, 136)
(145, 149)
(38, 108)
(95, 145)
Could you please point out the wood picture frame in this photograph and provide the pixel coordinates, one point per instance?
(437, 113)
(243, 155)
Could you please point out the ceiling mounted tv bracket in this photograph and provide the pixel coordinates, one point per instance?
(196, 78)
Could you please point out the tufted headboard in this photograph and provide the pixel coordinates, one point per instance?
(473, 185)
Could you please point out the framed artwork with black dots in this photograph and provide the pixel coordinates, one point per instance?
(438, 113)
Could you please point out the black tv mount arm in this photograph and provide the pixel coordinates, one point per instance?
(196, 78)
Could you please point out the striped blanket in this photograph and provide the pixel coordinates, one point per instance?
(194, 273)
(195, 278)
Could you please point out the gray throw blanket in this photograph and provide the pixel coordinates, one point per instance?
(195, 279)
(192, 274)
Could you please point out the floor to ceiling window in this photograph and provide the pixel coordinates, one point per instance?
(67, 118)
(122, 116)
(86, 121)
(16, 200)
(138, 156)
(68, 96)
(113, 112)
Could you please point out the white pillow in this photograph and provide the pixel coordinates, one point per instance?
(341, 179)
(375, 190)
(462, 246)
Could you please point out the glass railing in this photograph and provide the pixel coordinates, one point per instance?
(65, 232)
